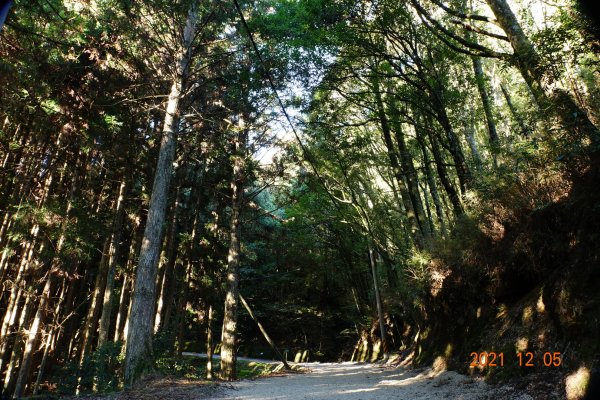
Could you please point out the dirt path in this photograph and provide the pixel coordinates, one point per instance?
(352, 381)
(217, 357)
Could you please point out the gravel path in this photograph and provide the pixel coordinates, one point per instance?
(355, 381)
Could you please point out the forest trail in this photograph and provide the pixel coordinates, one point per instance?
(354, 381)
(217, 357)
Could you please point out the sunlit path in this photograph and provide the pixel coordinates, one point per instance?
(356, 381)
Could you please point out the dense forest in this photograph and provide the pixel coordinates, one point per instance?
(311, 180)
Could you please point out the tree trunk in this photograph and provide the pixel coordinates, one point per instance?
(127, 287)
(51, 335)
(557, 102)
(91, 321)
(412, 179)
(472, 142)
(123, 300)
(443, 174)
(413, 219)
(55, 266)
(17, 351)
(209, 344)
(230, 313)
(165, 295)
(32, 338)
(16, 293)
(379, 305)
(481, 80)
(176, 345)
(462, 170)
(139, 353)
(427, 209)
(113, 254)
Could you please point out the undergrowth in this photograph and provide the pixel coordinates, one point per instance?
(101, 372)
(518, 273)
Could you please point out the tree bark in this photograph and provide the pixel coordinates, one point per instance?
(209, 343)
(379, 305)
(55, 266)
(91, 321)
(17, 351)
(230, 313)
(481, 80)
(443, 174)
(113, 254)
(472, 142)
(412, 217)
(165, 296)
(454, 147)
(139, 353)
(412, 179)
(123, 300)
(51, 335)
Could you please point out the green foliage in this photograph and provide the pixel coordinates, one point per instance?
(185, 367)
(51, 107)
(100, 372)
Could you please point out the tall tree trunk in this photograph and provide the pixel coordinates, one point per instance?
(123, 300)
(113, 255)
(427, 208)
(462, 170)
(440, 165)
(472, 142)
(139, 353)
(17, 351)
(64, 332)
(230, 313)
(176, 342)
(51, 334)
(165, 295)
(481, 80)
(412, 179)
(378, 302)
(91, 322)
(127, 288)
(209, 343)
(413, 219)
(33, 333)
(13, 309)
(32, 338)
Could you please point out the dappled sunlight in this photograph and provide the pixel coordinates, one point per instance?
(376, 351)
(527, 316)
(522, 344)
(348, 373)
(368, 381)
(540, 306)
(356, 391)
(576, 384)
(440, 364)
